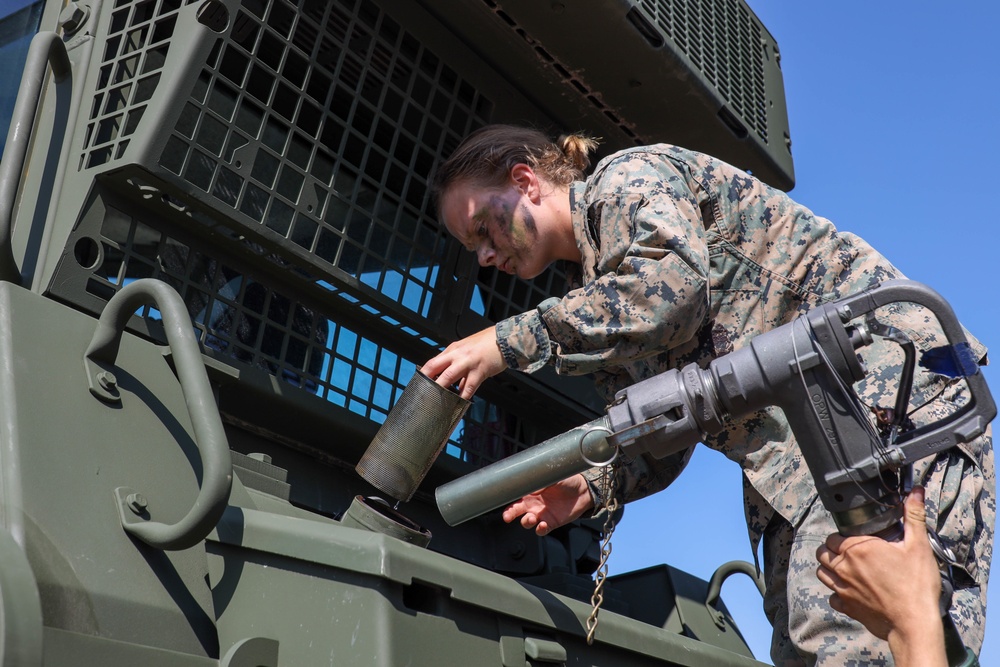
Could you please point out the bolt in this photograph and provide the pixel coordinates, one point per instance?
(136, 502)
(845, 314)
(72, 17)
(107, 380)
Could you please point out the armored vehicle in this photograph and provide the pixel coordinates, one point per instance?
(219, 268)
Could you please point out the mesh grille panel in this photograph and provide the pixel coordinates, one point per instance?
(724, 40)
(318, 125)
(134, 53)
(499, 295)
(239, 317)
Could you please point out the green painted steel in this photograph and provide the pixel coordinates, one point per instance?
(220, 267)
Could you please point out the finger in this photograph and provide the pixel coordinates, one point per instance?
(529, 520)
(513, 511)
(432, 367)
(835, 543)
(836, 603)
(468, 381)
(542, 529)
(824, 555)
(455, 374)
(468, 389)
(915, 523)
(828, 578)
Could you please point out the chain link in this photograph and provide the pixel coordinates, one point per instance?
(609, 481)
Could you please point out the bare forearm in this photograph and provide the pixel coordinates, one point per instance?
(918, 641)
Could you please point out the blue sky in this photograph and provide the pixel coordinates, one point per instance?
(893, 108)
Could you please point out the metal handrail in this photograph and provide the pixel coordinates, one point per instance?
(47, 48)
(209, 435)
(719, 577)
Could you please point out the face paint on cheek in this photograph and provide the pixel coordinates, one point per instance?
(503, 216)
(529, 221)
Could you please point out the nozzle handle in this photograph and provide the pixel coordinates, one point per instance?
(970, 420)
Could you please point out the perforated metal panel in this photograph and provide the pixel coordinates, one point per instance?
(239, 317)
(703, 74)
(321, 122)
(500, 295)
(725, 41)
(136, 48)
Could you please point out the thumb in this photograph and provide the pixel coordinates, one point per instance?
(915, 520)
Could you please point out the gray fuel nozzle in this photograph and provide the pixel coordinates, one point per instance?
(806, 369)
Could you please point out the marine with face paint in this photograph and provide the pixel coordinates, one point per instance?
(675, 257)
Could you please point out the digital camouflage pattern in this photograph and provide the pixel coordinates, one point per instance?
(686, 258)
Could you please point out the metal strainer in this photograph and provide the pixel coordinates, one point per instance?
(412, 436)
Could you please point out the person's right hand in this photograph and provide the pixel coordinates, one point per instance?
(553, 506)
(893, 588)
(467, 362)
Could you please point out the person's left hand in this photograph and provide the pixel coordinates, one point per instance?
(553, 506)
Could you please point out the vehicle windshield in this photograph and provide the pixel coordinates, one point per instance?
(19, 21)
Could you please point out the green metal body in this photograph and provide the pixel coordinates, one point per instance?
(219, 267)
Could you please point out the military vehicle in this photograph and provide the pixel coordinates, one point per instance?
(220, 267)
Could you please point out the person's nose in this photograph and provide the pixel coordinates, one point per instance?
(486, 254)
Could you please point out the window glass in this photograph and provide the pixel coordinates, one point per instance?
(19, 21)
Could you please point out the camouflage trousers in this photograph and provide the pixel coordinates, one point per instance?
(961, 505)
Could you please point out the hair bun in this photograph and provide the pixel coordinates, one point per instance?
(577, 149)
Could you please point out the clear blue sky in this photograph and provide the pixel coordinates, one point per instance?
(893, 109)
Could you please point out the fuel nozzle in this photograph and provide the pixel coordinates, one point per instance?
(805, 368)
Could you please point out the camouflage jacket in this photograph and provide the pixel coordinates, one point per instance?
(686, 258)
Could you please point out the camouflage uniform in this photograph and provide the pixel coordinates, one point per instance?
(686, 258)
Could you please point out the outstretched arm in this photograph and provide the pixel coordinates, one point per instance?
(892, 588)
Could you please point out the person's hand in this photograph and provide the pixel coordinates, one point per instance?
(893, 588)
(467, 362)
(553, 506)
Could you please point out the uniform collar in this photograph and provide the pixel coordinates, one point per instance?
(586, 232)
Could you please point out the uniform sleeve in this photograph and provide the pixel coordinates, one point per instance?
(651, 290)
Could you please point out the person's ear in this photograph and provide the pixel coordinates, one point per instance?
(525, 180)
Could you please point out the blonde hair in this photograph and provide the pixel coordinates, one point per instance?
(486, 157)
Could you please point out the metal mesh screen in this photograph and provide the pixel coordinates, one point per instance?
(499, 295)
(283, 192)
(134, 53)
(319, 123)
(723, 40)
(236, 315)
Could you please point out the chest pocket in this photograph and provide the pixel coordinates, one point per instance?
(735, 298)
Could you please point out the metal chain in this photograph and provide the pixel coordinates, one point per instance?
(609, 481)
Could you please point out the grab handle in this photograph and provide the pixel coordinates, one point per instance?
(46, 48)
(209, 435)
